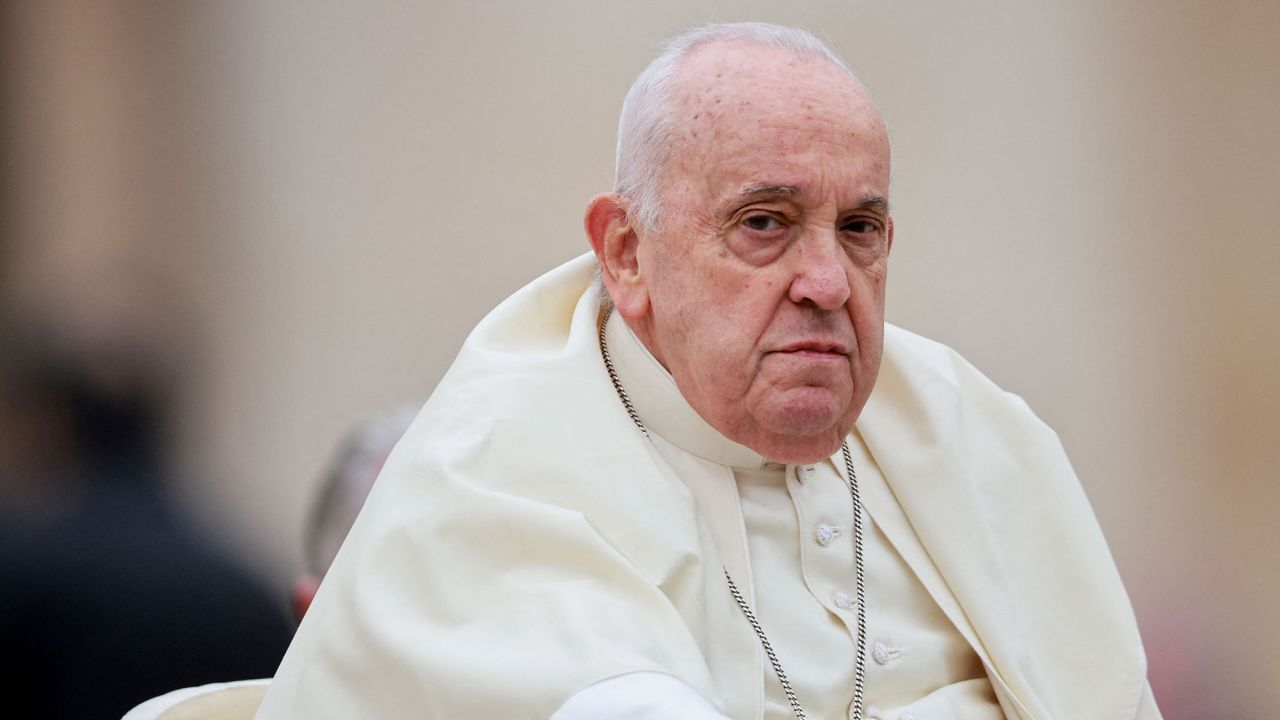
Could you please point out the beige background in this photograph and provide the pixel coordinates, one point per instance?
(307, 205)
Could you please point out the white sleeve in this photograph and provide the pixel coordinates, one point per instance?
(638, 696)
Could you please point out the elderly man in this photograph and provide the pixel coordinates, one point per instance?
(671, 492)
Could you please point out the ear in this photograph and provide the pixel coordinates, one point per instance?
(616, 244)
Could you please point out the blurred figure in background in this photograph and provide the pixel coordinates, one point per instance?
(340, 496)
(108, 596)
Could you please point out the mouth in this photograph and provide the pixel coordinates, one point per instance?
(815, 348)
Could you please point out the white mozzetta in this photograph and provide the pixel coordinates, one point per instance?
(525, 542)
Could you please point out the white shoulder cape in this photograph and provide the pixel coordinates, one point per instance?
(524, 541)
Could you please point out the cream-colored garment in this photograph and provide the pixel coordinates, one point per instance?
(525, 542)
(798, 524)
(237, 700)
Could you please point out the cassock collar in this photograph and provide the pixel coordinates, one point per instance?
(661, 406)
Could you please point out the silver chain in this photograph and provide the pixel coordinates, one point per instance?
(860, 666)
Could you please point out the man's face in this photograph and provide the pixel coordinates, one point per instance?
(765, 284)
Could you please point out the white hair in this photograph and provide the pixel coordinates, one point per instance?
(646, 130)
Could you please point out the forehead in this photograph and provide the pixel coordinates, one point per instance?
(745, 113)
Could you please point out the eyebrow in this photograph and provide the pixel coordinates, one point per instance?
(757, 191)
(752, 191)
(875, 203)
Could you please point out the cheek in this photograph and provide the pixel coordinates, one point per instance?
(700, 313)
(719, 361)
(866, 299)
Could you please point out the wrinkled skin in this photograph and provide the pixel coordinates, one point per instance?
(762, 292)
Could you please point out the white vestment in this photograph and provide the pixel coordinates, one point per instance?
(525, 546)
(798, 522)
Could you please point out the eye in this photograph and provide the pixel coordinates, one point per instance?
(762, 223)
(759, 235)
(861, 226)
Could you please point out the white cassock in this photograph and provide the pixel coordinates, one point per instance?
(528, 553)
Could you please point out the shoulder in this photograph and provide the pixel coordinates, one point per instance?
(929, 399)
(922, 356)
(524, 368)
(526, 418)
(923, 368)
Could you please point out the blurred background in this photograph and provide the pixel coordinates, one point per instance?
(230, 231)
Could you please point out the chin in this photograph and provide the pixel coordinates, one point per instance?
(803, 412)
(801, 450)
(801, 433)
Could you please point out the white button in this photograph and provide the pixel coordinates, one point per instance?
(882, 653)
(804, 472)
(873, 713)
(841, 600)
(825, 534)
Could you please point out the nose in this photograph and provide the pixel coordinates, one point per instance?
(820, 276)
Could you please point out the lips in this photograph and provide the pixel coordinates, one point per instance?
(829, 347)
